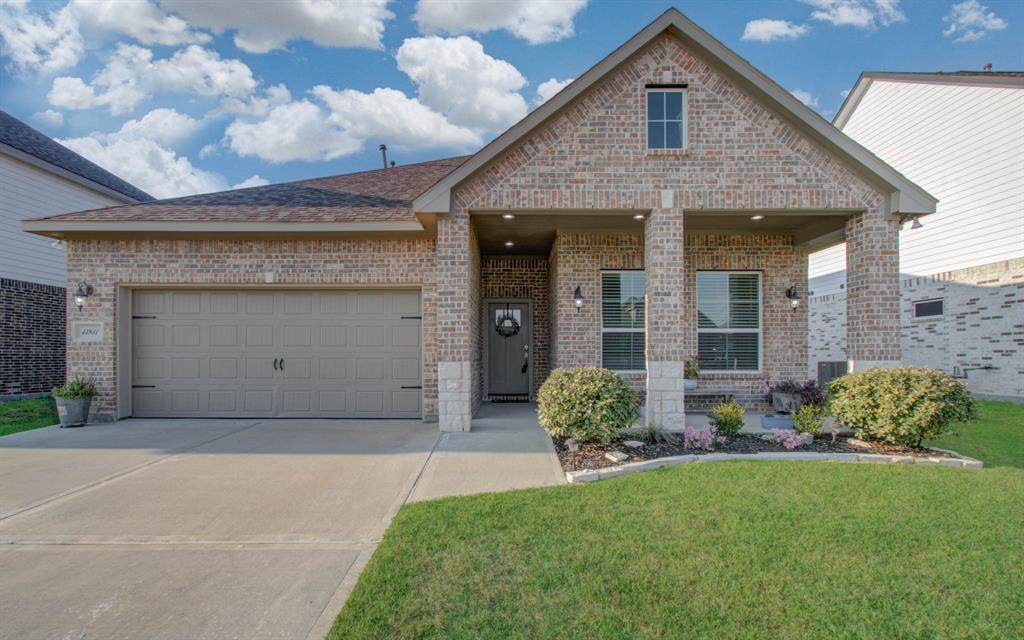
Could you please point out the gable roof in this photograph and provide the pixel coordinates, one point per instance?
(906, 197)
(368, 200)
(19, 140)
(971, 78)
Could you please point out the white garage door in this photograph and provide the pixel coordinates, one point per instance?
(263, 353)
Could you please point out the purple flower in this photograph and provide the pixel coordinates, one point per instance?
(788, 439)
(699, 438)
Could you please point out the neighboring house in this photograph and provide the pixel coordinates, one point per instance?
(39, 177)
(659, 206)
(960, 136)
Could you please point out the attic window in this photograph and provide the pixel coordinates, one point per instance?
(666, 117)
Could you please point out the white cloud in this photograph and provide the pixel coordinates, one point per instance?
(137, 19)
(805, 97)
(455, 77)
(252, 181)
(768, 30)
(137, 153)
(295, 131)
(863, 14)
(264, 26)
(536, 21)
(970, 21)
(49, 118)
(844, 93)
(549, 88)
(207, 151)
(132, 75)
(33, 42)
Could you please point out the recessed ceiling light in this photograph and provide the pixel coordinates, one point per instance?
(509, 243)
(756, 218)
(507, 216)
(638, 216)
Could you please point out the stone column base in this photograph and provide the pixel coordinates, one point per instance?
(454, 390)
(666, 395)
(856, 366)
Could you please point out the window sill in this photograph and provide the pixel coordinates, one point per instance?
(668, 153)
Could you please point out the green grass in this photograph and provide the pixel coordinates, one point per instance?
(726, 550)
(997, 437)
(22, 415)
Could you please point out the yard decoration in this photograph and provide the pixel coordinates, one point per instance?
(73, 400)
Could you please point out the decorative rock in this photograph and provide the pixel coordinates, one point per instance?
(634, 444)
(616, 456)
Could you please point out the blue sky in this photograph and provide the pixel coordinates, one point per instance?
(180, 96)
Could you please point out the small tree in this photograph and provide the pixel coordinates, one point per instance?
(588, 404)
(902, 405)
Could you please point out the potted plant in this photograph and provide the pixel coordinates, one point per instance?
(691, 371)
(786, 398)
(73, 401)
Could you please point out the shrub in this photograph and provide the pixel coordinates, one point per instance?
(810, 419)
(654, 434)
(76, 388)
(809, 392)
(788, 439)
(903, 405)
(728, 418)
(588, 404)
(699, 438)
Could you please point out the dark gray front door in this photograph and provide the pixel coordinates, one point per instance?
(509, 357)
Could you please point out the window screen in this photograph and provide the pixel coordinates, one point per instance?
(666, 119)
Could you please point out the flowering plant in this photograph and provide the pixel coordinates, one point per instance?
(788, 439)
(699, 438)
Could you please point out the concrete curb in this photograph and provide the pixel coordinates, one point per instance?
(592, 475)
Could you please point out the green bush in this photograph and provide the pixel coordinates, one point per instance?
(588, 404)
(810, 419)
(76, 388)
(728, 418)
(903, 405)
(654, 434)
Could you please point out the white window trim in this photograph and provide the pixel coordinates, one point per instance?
(604, 330)
(686, 117)
(931, 318)
(760, 323)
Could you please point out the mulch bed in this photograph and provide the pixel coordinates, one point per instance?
(591, 455)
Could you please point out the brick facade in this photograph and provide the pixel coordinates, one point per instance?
(106, 264)
(523, 278)
(983, 324)
(31, 337)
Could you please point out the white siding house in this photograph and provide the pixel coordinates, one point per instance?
(961, 137)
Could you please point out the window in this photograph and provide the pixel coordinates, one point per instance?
(729, 320)
(666, 118)
(622, 320)
(928, 309)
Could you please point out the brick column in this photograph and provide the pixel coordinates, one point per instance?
(666, 318)
(454, 321)
(872, 291)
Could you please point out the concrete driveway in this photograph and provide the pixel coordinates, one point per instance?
(192, 529)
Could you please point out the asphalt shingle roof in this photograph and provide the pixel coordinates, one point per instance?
(15, 133)
(367, 196)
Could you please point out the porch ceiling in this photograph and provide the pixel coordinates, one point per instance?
(532, 232)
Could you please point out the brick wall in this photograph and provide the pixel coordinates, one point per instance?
(983, 325)
(105, 264)
(31, 337)
(523, 277)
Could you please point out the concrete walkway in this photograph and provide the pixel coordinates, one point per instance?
(506, 449)
(191, 529)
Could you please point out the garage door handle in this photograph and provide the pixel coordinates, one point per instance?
(281, 364)
(143, 386)
(275, 364)
(412, 387)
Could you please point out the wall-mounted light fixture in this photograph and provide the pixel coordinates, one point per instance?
(58, 244)
(793, 296)
(83, 291)
(577, 297)
(916, 224)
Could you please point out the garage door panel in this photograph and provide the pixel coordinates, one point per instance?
(345, 353)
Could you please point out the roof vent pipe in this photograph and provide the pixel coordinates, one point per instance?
(987, 67)
(384, 154)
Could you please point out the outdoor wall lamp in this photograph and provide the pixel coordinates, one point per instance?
(794, 297)
(84, 291)
(577, 297)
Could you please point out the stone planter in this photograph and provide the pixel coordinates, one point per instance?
(785, 402)
(73, 412)
(689, 384)
(777, 421)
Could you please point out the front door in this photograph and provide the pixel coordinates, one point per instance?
(508, 349)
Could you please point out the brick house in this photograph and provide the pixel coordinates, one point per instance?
(660, 206)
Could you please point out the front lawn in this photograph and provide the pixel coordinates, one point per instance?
(723, 550)
(22, 415)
